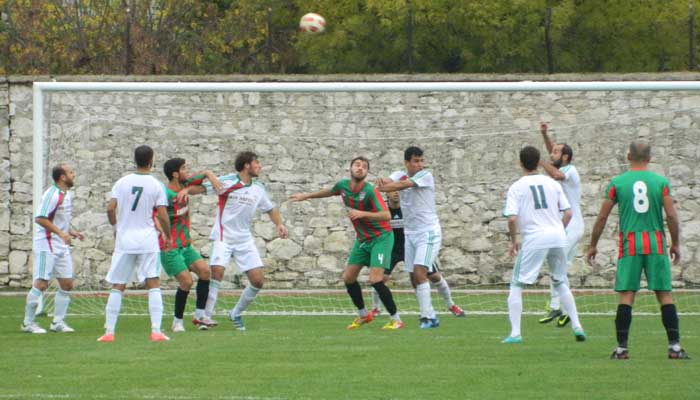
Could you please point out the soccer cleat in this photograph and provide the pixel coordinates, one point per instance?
(678, 355)
(456, 311)
(158, 337)
(237, 321)
(620, 354)
(205, 321)
(392, 325)
(427, 323)
(61, 327)
(579, 334)
(375, 312)
(178, 326)
(359, 321)
(512, 339)
(563, 320)
(549, 317)
(32, 328)
(106, 338)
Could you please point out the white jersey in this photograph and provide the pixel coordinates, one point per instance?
(57, 206)
(137, 197)
(572, 189)
(418, 202)
(236, 208)
(537, 201)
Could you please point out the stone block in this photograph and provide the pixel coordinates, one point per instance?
(283, 249)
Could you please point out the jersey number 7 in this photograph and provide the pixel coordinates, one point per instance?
(137, 190)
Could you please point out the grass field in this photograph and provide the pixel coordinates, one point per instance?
(292, 357)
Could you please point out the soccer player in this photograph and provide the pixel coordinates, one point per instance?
(532, 206)
(181, 256)
(397, 255)
(374, 239)
(423, 234)
(561, 170)
(642, 197)
(239, 198)
(52, 257)
(135, 199)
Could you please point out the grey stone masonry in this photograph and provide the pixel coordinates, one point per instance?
(305, 142)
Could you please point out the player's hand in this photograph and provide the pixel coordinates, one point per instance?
(76, 235)
(513, 249)
(65, 237)
(215, 183)
(382, 181)
(543, 128)
(590, 255)
(297, 197)
(675, 253)
(282, 231)
(355, 214)
(182, 196)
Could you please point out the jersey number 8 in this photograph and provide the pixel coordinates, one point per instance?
(640, 201)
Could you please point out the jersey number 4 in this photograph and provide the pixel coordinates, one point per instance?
(136, 190)
(538, 196)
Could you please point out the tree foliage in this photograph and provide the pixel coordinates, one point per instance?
(362, 36)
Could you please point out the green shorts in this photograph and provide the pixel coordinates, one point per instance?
(373, 253)
(656, 267)
(177, 260)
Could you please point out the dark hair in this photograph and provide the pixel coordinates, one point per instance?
(244, 158)
(566, 151)
(360, 158)
(143, 155)
(171, 166)
(412, 151)
(640, 151)
(57, 172)
(529, 157)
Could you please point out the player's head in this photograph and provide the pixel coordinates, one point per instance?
(175, 166)
(63, 173)
(561, 155)
(247, 162)
(143, 156)
(393, 199)
(413, 159)
(639, 152)
(529, 158)
(359, 168)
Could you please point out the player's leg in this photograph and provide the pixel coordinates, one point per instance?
(63, 270)
(556, 259)
(658, 274)
(525, 270)
(444, 291)
(43, 265)
(174, 265)
(248, 260)
(120, 272)
(350, 274)
(424, 248)
(149, 271)
(219, 258)
(203, 272)
(629, 273)
(380, 262)
(397, 255)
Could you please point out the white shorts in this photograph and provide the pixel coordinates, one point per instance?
(245, 254)
(572, 238)
(422, 249)
(49, 265)
(122, 269)
(528, 263)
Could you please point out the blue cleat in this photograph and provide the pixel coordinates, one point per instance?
(427, 323)
(237, 321)
(512, 339)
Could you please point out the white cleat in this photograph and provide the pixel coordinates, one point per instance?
(178, 326)
(33, 328)
(61, 327)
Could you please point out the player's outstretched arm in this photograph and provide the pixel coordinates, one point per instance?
(276, 219)
(369, 215)
(315, 195)
(673, 229)
(552, 170)
(598, 227)
(384, 186)
(547, 141)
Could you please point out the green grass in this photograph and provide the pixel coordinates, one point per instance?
(291, 357)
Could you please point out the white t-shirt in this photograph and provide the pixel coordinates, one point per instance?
(572, 189)
(57, 206)
(418, 202)
(137, 197)
(537, 201)
(236, 208)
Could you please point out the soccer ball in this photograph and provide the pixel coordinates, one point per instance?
(312, 23)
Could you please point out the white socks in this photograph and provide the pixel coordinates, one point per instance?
(33, 298)
(211, 299)
(247, 297)
(155, 308)
(515, 309)
(569, 304)
(424, 301)
(554, 303)
(61, 305)
(444, 289)
(114, 305)
(376, 301)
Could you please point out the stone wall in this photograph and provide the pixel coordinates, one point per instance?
(305, 142)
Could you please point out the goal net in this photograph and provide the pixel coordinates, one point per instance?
(305, 135)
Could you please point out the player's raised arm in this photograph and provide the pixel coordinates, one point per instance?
(547, 141)
(315, 195)
(552, 171)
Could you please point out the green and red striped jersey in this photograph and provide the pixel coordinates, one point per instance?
(640, 196)
(179, 214)
(366, 198)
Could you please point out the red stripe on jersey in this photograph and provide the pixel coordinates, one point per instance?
(403, 177)
(620, 250)
(385, 225)
(173, 229)
(366, 223)
(611, 193)
(631, 244)
(646, 244)
(666, 191)
(659, 243)
(223, 197)
(51, 216)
